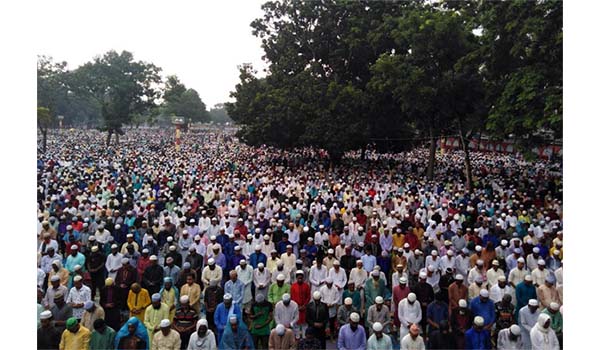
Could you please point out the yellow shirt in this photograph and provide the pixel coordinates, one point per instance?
(75, 341)
(170, 342)
(168, 297)
(193, 293)
(398, 241)
(139, 301)
(153, 317)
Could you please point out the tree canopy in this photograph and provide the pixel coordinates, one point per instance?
(342, 74)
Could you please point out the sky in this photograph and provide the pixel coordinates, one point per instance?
(202, 42)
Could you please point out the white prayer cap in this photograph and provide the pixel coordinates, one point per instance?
(305, 229)
(330, 251)
(541, 262)
(495, 262)
(184, 299)
(479, 262)
(462, 303)
(237, 247)
(321, 226)
(422, 274)
(554, 306)
(227, 296)
(375, 273)
(114, 246)
(478, 248)
(459, 277)
(69, 227)
(54, 278)
(377, 327)
(418, 252)
(406, 245)
(521, 260)
(153, 257)
(528, 278)
(317, 295)
(124, 261)
(286, 297)
(402, 280)
(359, 262)
(515, 330)
(165, 323)
(169, 239)
(74, 247)
(213, 237)
(117, 226)
(484, 293)
(280, 329)
(260, 265)
(504, 242)
(478, 321)
(45, 315)
(348, 301)
(211, 261)
(434, 252)
(354, 317)
(430, 268)
(412, 297)
(533, 302)
(145, 250)
(280, 277)
(92, 238)
(267, 237)
(450, 252)
(379, 300)
(77, 278)
(502, 278)
(536, 250)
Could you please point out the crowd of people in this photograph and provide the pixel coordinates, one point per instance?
(218, 245)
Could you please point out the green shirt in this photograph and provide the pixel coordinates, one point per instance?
(104, 341)
(556, 321)
(262, 316)
(276, 292)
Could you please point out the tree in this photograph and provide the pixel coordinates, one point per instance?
(183, 102)
(44, 121)
(121, 86)
(218, 114)
(432, 76)
(521, 47)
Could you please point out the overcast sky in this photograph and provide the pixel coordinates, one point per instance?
(202, 42)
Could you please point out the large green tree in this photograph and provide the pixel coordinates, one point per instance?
(433, 76)
(181, 101)
(120, 85)
(218, 114)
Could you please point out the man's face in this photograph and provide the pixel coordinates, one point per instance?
(131, 328)
(189, 280)
(227, 303)
(45, 323)
(202, 331)
(353, 325)
(74, 329)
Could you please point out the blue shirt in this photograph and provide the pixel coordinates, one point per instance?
(236, 289)
(255, 259)
(485, 310)
(477, 339)
(349, 339)
(222, 315)
(369, 262)
(437, 312)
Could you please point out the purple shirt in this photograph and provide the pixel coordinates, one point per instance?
(354, 340)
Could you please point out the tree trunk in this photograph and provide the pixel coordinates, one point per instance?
(465, 146)
(116, 138)
(110, 132)
(363, 153)
(44, 139)
(468, 171)
(432, 149)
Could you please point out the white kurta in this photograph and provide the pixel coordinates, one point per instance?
(113, 262)
(317, 277)
(339, 280)
(408, 313)
(358, 276)
(261, 278)
(246, 276)
(527, 321)
(497, 293)
(330, 296)
(541, 340)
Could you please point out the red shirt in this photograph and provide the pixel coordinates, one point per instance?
(300, 293)
(398, 295)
